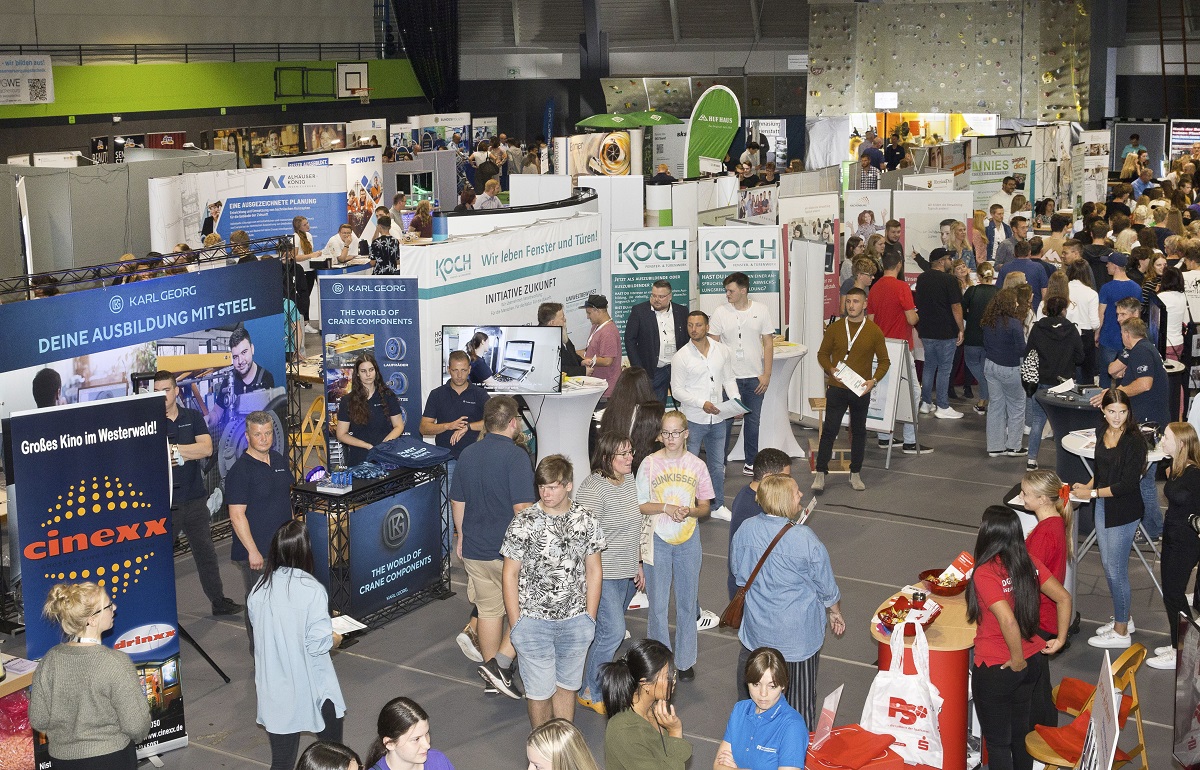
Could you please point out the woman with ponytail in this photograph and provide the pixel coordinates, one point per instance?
(1045, 495)
(402, 740)
(644, 732)
(1002, 599)
(86, 697)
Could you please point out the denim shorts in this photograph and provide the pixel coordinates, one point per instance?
(552, 653)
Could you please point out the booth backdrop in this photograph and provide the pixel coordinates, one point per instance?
(364, 182)
(756, 250)
(638, 258)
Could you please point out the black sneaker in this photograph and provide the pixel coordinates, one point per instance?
(747, 470)
(1031, 464)
(1015, 453)
(884, 444)
(226, 606)
(917, 449)
(687, 674)
(500, 678)
(980, 409)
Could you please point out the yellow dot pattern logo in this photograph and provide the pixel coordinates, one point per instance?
(100, 495)
(116, 578)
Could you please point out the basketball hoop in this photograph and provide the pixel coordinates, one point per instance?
(363, 94)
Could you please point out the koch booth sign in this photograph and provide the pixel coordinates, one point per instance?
(756, 250)
(641, 257)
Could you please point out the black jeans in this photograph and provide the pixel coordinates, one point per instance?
(1042, 710)
(285, 746)
(192, 517)
(250, 578)
(837, 401)
(1087, 370)
(125, 759)
(1003, 699)
(1180, 553)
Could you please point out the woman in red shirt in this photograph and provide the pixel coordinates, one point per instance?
(1045, 495)
(1002, 599)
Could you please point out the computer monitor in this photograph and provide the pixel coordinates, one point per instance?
(521, 359)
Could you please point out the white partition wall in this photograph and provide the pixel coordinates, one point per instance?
(621, 205)
(806, 263)
(532, 189)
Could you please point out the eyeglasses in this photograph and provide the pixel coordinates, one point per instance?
(672, 433)
(626, 453)
(109, 606)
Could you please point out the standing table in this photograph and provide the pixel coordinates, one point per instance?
(565, 418)
(1084, 447)
(1067, 412)
(950, 639)
(774, 424)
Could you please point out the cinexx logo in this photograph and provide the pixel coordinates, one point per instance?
(639, 252)
(727, 250)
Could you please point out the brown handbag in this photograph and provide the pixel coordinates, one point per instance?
(732, 616)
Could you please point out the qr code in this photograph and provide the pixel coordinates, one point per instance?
(37, 90)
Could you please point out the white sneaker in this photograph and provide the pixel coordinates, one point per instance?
(722, 513)
(925, 408)
(1110, 640)
(949, 413)
(1104, 629)
(310, 329)
(708, 619)
(818, 484)
(639, 601)
(1164, 649)
(1163, 661)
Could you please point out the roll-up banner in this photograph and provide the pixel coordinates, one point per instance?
(756, 250)
(261, 202)
(988, 173)
(364, 183)
(372, 314)
(865, 212)
(501, 278)
(758, 205)
(483, 128)
(714, 122)
(921, 213)
(95, 505)
(638, 258)
(1089, 168)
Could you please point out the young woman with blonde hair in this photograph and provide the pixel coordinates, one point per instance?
(558, 745)
(1180, 545)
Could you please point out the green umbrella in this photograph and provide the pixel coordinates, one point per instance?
(606, 120)
(653, 118)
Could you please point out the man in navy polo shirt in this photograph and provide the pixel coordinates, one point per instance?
(258, 489)
(454, 412)
(190, 443)
(494, 482)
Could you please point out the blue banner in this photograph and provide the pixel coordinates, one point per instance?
(395, 548)
(375, 314)
(265, 215)
(94, 505)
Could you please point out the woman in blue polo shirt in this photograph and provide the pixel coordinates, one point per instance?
(369, 414)
(764, 732)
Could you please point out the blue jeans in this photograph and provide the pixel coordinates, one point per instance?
(711, 436)
(1105, 356)
(1153, 516)
(552, 653)
(660, 378)
(1115, 543)
(677, 565)
(1037, 422)
(1006, 407)
(753, 402)
(610, 632)
(939, 363)
(973, 356)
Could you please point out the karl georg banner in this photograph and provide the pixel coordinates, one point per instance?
(186, 208)
(638, 258)
(376, 314)
(714, 122)
(501, 278)
(395, 547)
(95, 506)
(363, 186)
(754, 250)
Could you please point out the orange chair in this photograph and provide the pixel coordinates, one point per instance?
(1060, 747)
(312, 433)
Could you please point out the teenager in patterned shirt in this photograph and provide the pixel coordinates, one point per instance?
(552, 575)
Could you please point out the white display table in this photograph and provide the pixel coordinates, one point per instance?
(774, 424)
(1082, 444)
(561, 422)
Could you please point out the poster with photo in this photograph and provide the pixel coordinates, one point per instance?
(364, 181)
(324, 137)
(272, 141)
(602, 154)
(372, 132)
(814, 218)
(758, 205)
(232, 140)
(483, 128)
(921, 213)
(865, 212)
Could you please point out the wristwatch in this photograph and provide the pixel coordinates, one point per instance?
(1095, 494)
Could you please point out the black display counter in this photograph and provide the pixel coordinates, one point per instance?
(1067, 412)
(383, 548)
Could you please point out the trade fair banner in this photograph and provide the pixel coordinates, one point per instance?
(371, 132)
(988, 172)
(501, 278)
(669, 145)
(271, 141)
(483, 128)
(1089, 168)
(261, 202)
(431, 130)
(921, 213)
(714, 122)
(323, 137)
(607, 154)
(865, 212)
(26, 79)
(759, 205)
(395, 547)
(363, 186)
(375, 314)
(95, 505)
(638, 258)
(941, 180)
(756, 250)
(1184, 134)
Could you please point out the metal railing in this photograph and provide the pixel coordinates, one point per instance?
(148, 53)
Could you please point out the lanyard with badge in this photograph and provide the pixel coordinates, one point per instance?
(595, 331)
(851, 340)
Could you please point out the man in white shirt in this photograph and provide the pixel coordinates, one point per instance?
(747, 328)
(751, 157)
(340, 248)
(1008, 189)
(699, 372)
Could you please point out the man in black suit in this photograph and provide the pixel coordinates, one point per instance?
(654, 331)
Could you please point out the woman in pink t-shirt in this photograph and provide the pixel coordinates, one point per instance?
(1002, 599)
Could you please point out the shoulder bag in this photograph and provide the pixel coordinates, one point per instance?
(732, 616)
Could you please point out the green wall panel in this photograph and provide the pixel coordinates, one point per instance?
(96, 89)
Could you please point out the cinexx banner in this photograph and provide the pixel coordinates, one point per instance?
(95, 506)
(638, 258)
(756, 250)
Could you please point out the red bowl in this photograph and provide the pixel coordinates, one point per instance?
(928, 575)
(910, 628)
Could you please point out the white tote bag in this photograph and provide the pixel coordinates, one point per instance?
(906, 706)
